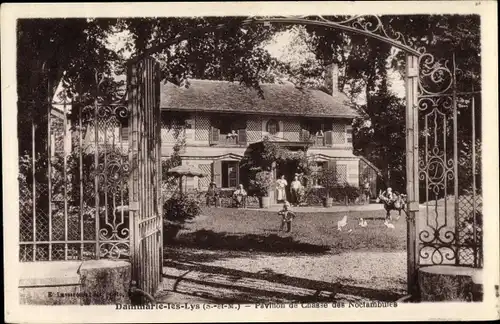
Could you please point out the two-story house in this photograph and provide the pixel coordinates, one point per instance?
(224, 118)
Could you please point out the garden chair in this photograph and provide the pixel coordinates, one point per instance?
(213, 201)
(242, 203)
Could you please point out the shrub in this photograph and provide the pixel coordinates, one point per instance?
(179, 209)
(313, 196)
(328, 180)
(262, 183)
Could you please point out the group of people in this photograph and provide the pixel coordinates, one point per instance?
(212, 196)
(295, 190)
(239, 196)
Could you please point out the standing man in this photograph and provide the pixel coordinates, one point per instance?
(295, 188)
(366, 190)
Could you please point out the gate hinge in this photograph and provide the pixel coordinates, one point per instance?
(133, 206)
(413, 206)
(412, 72)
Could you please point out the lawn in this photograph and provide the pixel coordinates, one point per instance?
(312, 233)
(232, 255)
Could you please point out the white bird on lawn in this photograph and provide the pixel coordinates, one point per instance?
(349, 231)
(389, 225)
(362, 222)
(341, 223)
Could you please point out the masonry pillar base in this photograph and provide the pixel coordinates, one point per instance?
(449, 283)
(94, 282)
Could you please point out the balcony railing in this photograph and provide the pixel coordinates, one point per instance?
(217, 138)
(225, 139)
(318, 140)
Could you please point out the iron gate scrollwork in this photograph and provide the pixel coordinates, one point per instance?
(450, 231)
(74, 183)
(90, 180)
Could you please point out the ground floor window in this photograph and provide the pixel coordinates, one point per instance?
(230, 174)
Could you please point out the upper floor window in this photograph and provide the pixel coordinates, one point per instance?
(348, 133)
(272, 127)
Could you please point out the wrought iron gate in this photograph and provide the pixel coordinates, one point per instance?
(450, 228)
(145, 178)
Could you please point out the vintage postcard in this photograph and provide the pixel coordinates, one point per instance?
(249, 161)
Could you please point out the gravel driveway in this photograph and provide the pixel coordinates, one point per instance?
(250, 277)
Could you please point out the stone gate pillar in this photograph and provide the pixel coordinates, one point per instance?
(412, 177)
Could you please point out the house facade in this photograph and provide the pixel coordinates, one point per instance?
(224, 119)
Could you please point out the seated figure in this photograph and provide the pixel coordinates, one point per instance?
(212, 195)
(239, 197)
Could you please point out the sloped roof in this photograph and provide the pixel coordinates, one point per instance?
(279, 99)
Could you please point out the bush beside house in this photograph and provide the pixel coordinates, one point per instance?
(261, 185)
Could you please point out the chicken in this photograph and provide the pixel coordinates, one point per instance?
(341, 223)
(362, 222)
(389, 225)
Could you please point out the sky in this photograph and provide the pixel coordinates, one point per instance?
(278, 47)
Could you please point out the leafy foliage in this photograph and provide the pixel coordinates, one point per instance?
(328, 179)
(180, 208)
(262, 183)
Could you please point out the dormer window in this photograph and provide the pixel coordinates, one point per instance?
(272, 127)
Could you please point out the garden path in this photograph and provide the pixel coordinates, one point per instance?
(237, 277)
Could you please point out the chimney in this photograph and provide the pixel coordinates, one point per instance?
(332, 78)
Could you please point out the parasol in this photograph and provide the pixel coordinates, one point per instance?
(185, 170)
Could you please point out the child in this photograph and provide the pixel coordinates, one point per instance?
(286, 217)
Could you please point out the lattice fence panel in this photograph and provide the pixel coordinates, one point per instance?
(25, 211)
(291, 130)
(470, 230)
(338, 133)
(42, 252)
(58, 223)
(204, 182)
(341, 170)
(25, 253)
(57, 130)
(42, 208)
(202, 129)
(254, 130)
(167, 135)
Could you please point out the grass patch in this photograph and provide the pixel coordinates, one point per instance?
(316, 232)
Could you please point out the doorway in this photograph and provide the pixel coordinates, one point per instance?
(287, 168)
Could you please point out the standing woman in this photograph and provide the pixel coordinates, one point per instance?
(281, 186)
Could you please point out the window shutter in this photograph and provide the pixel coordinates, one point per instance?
(332, 164)
(237, 174)
(242, 136)
(348, 134)
(328, 138)
(214, 135)
(217, 173)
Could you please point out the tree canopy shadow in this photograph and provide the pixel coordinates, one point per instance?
(321, 291)
(273, 243)
(183, 254)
